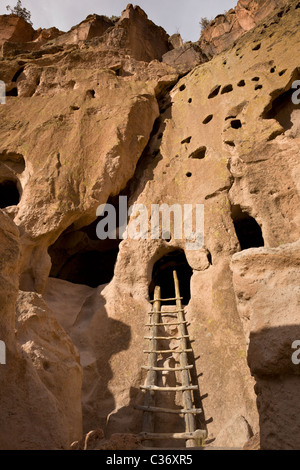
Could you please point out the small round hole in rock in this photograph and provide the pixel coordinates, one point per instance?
(214, 92)
(182, 88)
(241, 83)
(236, 124)
(188, 174)
(226, 89)
(257, 47)
(207, 119)
(187, 140)
(198, 154)
(230, 143)
(91, 93)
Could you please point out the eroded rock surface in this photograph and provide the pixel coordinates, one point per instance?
(94, 113)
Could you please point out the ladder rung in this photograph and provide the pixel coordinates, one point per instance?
(164, 311)
(155, 409)
(169, 389)
(169, 338)
(165, 300)
(168, 324)
(168, 369)
(164, 314)
(176, 351)
(199, 434)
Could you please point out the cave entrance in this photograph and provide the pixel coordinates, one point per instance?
(247, 229)
(162, 275)
(78, 256)
(9, 194)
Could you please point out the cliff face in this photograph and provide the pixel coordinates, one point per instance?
(227, 28)
(118, 107)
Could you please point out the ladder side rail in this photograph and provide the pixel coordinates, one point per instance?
(151, 379)
(190, 422)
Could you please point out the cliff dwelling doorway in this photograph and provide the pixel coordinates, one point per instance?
(247, 229)
(162, 275)
(9, 194)
(78, 256)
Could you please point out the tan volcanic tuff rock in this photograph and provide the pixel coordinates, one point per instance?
(133, 33)
(230, 26)
(199, 160)
(83, 123)
(184, 58)
(95, 440)
(266, 283)
(41, 381)
(107, 122)
(15, 29)
(92, 26)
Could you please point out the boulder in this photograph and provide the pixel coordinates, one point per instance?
(13, 28)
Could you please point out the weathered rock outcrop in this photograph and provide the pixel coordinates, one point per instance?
(92, 26)
(15, 29)
(41, 381)
(230, 26)
(94, 113)
(266, 283)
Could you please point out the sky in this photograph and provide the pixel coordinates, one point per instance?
(174, 16)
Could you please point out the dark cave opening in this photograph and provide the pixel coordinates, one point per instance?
(247, 229)
(9, 194)
(282, 108)
(162, 275)
(12, 92)
(80, 257)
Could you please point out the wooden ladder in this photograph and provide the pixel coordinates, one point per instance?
(194, 437)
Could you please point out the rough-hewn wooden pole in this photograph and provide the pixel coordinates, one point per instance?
(190, 422)
(148, 419)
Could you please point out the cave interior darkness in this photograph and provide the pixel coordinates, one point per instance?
(247, 229)
(162, 275)
(9, 194)
(80, 257)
